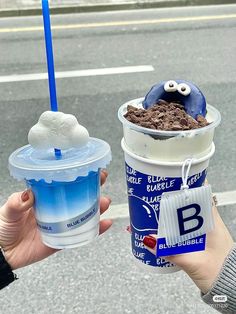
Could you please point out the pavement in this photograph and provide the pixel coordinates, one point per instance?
(103, 277)
(32, 7)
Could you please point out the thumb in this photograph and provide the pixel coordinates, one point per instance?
(16, 205)
(150, 243)
(182, 260)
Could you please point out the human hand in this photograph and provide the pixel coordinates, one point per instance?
(19, 236)
(202, 267)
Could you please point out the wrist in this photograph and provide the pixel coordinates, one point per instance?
(214, 269)
(6, 274)
(224, 285)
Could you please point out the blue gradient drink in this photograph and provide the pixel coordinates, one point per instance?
(74, 205)
(66, 190)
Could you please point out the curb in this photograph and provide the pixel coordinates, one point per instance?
(111, 7)
(95, 8)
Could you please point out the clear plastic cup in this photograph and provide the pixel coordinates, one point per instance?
(66, 190)
(168, 145)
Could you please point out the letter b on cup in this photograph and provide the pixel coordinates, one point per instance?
(189, 218)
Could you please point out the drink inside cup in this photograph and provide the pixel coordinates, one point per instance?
(75, 204)
(153, 159)
(66, 190)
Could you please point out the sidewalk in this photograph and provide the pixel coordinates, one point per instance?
(33, 7)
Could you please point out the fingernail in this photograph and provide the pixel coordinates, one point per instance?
(25, 196)
(150, 242)
(214, 200)
(128, 228)
(105, 172)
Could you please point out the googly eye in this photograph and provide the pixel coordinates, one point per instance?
(170, 86)
(184, 89)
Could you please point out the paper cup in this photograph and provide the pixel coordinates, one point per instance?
(146, 181)
(154, 161)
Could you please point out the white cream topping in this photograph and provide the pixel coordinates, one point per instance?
(57, 130)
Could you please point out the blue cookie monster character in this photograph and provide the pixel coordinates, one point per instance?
(188, 94)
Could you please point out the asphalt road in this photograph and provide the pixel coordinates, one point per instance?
(102, 278)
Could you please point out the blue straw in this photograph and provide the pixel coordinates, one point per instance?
(50, 62)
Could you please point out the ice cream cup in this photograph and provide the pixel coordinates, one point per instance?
(154, 162)
(66, 190)
(168, 145)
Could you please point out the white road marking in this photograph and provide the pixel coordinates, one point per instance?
(226, 198)
(122, 211)
(79, 73)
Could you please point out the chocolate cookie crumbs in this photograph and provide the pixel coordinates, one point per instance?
(164, 116)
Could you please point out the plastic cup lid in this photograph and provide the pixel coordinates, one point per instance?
(26, 163)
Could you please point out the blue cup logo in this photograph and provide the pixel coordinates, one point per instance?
(144, 221)
(144, 218)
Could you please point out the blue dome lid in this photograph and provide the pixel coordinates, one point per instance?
(26, 163)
